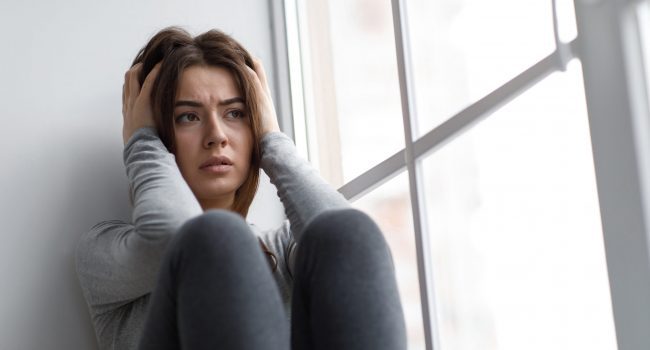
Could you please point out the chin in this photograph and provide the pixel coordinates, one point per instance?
(214, 190)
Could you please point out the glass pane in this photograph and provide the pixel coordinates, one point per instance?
(464, 49)
(515, 230)
(353, 96)
(390, 206)
(566, 17)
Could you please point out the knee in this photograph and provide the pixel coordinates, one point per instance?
(343, 230)
(213, 231)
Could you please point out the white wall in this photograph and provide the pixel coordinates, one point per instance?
(61, 71)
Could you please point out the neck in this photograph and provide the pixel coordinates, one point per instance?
(217, 203)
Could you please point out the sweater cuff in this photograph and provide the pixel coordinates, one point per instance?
(145, 133)
(273, 145)
(273, 137)
(141, 133)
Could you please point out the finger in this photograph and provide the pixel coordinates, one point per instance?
(123, 101)
(259, 69)
(264, 91)
(125, 90)
(257, 81)
(148, 81)
(133, 84)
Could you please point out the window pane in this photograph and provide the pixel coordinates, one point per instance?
(353, 96)
(464, 49)
(390, 206)
(516, 239)
(566, 17)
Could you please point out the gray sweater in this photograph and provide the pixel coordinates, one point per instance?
(118, 262)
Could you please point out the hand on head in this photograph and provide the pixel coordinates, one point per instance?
(136, 101)
(268, 118)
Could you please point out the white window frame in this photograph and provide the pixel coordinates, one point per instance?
(609, 47)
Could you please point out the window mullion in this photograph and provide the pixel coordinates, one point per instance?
(415, 174)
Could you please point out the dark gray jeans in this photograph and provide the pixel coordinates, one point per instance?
(216, 290)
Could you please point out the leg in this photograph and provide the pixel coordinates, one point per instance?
(345, 293)
(215, 290)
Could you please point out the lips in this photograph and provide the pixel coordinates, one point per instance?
(216, 160)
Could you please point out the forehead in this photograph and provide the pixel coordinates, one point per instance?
(206, 83)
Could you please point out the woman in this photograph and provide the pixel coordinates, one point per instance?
(189, 272)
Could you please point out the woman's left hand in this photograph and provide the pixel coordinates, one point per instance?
(269, 120)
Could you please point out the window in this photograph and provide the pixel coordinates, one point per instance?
(464, 49)
(514, 225)
(350, 84)
(480, 136)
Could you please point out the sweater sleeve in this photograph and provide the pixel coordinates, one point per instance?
(118, 262)
(303, 192)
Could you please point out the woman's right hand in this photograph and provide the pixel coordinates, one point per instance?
(136, 102)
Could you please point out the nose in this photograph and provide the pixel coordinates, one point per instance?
(215, 133)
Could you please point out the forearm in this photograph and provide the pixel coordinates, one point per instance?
(162, 200)
(303, 192)
(118, 262)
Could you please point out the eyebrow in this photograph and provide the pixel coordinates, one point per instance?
(226, 102)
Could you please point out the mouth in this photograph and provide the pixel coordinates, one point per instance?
(217, 165)
(217, 169)
(217, 162)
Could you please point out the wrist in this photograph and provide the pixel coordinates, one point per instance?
(268, 131)
(127, 134)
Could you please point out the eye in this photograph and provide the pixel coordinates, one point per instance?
(187, 118)
(236, 114)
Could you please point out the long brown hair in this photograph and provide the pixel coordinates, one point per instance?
(178, 50)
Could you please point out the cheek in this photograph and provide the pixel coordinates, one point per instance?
(244, 139)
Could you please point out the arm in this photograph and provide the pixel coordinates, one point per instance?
(118, 262)
(301, 189)
(162, 200)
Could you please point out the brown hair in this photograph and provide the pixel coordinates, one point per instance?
(178, 50)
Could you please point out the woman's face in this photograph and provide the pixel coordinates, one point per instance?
(213, 135)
